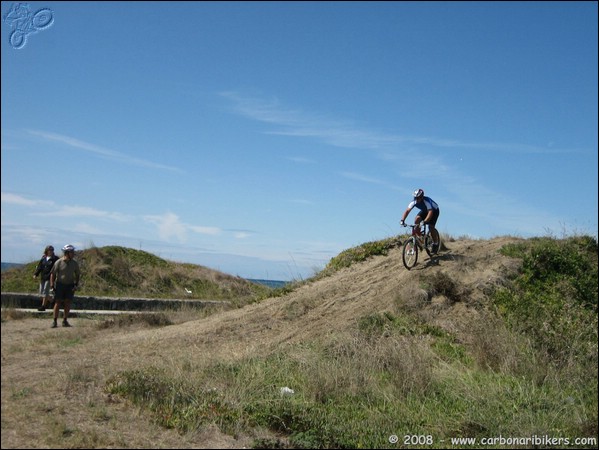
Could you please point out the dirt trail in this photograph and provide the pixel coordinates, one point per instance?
(52, 380)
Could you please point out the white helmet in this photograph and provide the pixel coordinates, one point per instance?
(68, 248)
(418, 193)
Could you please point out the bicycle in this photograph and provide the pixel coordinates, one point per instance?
(421, 239)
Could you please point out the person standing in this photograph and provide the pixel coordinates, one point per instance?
(43, 269)
(64, 279)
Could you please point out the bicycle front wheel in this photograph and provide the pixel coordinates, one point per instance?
(410, 253)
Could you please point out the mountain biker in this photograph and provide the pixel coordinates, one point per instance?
(428, 214)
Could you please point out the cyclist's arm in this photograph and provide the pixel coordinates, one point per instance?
(407, 211)
(405, 214)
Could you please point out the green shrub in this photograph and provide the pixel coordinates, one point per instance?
(554, 299)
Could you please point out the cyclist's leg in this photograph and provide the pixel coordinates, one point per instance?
(419, 218)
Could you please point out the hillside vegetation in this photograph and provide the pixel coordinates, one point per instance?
(114, 271)
(495, 338)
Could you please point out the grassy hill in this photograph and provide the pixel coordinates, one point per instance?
(114, 271)
(496, 338)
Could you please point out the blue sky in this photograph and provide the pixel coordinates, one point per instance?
(262, 139)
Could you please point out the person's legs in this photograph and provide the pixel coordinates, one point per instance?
(67, 310)
(417, 221)
(56, 310)
(45, 294)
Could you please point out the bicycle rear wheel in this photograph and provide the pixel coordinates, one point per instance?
(428, 244)
(410, 253)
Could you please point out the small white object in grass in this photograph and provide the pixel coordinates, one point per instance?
(287, 391)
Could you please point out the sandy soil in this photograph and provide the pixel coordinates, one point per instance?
(53, 379)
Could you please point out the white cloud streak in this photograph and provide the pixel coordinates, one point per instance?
(365, 179)
(213, 231)
(15, 199)
(346, 134)
(83, 211)
(301, 160)
(414, 152)
(171, 227)
(100, 151)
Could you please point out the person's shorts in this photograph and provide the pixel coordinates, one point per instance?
(433, 220)
(64, 292)
(45, 288)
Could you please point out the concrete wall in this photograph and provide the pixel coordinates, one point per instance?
(20, 300)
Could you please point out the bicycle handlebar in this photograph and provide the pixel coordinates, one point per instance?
(419, 225)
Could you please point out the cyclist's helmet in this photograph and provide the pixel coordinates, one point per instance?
(68, 248)
(418, 194)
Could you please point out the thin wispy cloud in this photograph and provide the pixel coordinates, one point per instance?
(301, 201)
(399, 149)
(100, 151)
(343, 133)
(48, 208)
(205, 230)
(170, 226)
(301, 160)
(241, 233)
(15, 199)
(365, 179)
(83, 211)
(19, 234)
(86, 228)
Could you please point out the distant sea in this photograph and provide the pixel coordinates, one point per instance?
(6, 266)
(270, 283)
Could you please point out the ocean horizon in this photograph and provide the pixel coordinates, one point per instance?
(270, 283)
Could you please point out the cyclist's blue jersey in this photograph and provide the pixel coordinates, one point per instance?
(424, 205)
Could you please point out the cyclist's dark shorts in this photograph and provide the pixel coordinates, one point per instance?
(64, 292)
(433, 221)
